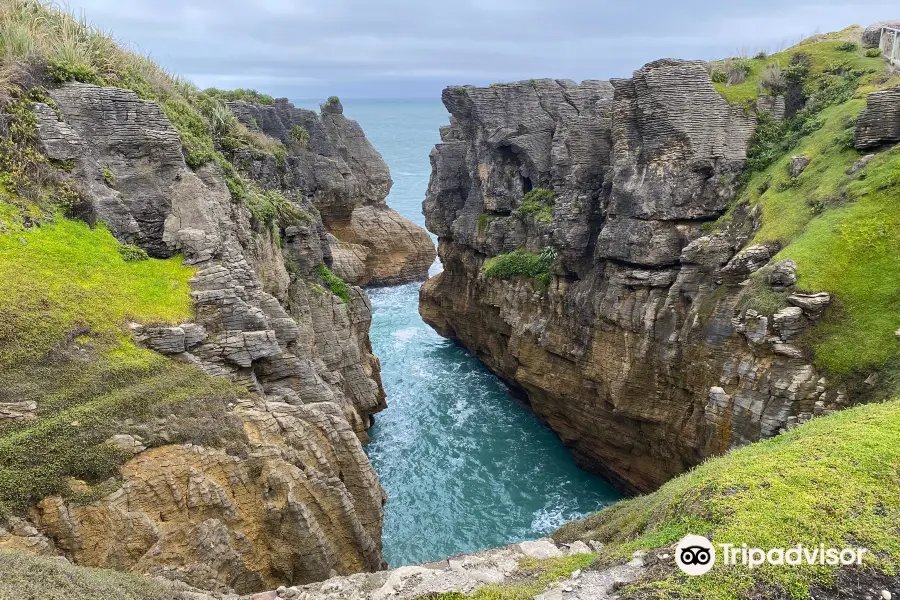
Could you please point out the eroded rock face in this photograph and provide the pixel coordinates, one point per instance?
(335, 166)
(879, 122)
(641, 354)
(305, 503)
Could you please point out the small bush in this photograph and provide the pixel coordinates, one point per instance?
(719, 76)
(773, 79)
(873, 52)
(108, 177)
(61, 72)
(334, 283)
(736, 70)
(521, 263)
(131, 253)
(245, 95)
(300, 135)
(848, 47)
(333, 100)
(761, 55)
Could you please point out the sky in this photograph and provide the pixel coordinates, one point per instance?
(415, 48)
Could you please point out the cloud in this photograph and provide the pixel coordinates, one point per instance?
(391, 48)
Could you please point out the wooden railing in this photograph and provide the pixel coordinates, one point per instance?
(890, 44)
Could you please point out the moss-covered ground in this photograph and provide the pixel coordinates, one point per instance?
(67, 295)
(832, 481)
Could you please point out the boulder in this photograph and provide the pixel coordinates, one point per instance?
(879, 123)
(797, 165)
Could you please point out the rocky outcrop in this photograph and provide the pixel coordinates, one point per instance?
(304, 503)
(871, 36)
(645, 353)
(466, 573)
(330, 162)
(879, 122)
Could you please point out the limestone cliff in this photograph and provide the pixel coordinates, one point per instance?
(300, 502)
(330, 161)
(639, 344)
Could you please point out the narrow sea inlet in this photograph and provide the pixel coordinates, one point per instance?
(465, 466)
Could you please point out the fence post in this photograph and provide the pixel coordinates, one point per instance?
(895, 48)
(882, 40)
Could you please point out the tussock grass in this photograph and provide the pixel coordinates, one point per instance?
(832, 481)
(26, 577)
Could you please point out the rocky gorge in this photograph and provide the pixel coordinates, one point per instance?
(621, 302)
(187, 378)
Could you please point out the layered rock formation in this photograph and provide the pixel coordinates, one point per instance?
(642, 354)
(330, 162)
(304, 503)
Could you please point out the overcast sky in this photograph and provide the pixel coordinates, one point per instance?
(414, 48)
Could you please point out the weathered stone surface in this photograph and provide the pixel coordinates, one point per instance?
(879, 122)
(463, 574)
(305, 503)
(871, 36)
(644, 313)
(17, 411)
(797, 165)
(347, 180)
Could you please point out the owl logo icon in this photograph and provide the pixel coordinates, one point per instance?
(695, 555)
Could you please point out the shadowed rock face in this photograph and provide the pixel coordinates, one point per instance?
(640, 354)
(305, 503)
(347, 180)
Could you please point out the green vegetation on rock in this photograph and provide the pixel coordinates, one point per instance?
(334, 283)
(521, 263)
(240, 94)
(538, 202)
(831, 481)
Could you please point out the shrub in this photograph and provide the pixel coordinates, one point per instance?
(719, 76)
(131, 253)
(334, 283)
(108, 177)
(240, 94)
(736, 70)
(333, 100)
(61, 72)
(848, 46)
(873, 52)
(773, 79)
(761, 55)
(300, 135)
(521, 263)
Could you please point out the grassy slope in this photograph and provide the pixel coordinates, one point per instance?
(842, 230)
(67, 294)
(832, 481)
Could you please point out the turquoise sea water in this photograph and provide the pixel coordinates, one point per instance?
(465, 466)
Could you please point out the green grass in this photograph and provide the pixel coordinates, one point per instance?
(28, 577)
(520, 263)
(334, 283)
(67, 293)
(840, 229)
(832, 481)
(825, 56)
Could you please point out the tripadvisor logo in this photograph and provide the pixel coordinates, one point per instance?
(695, 555)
